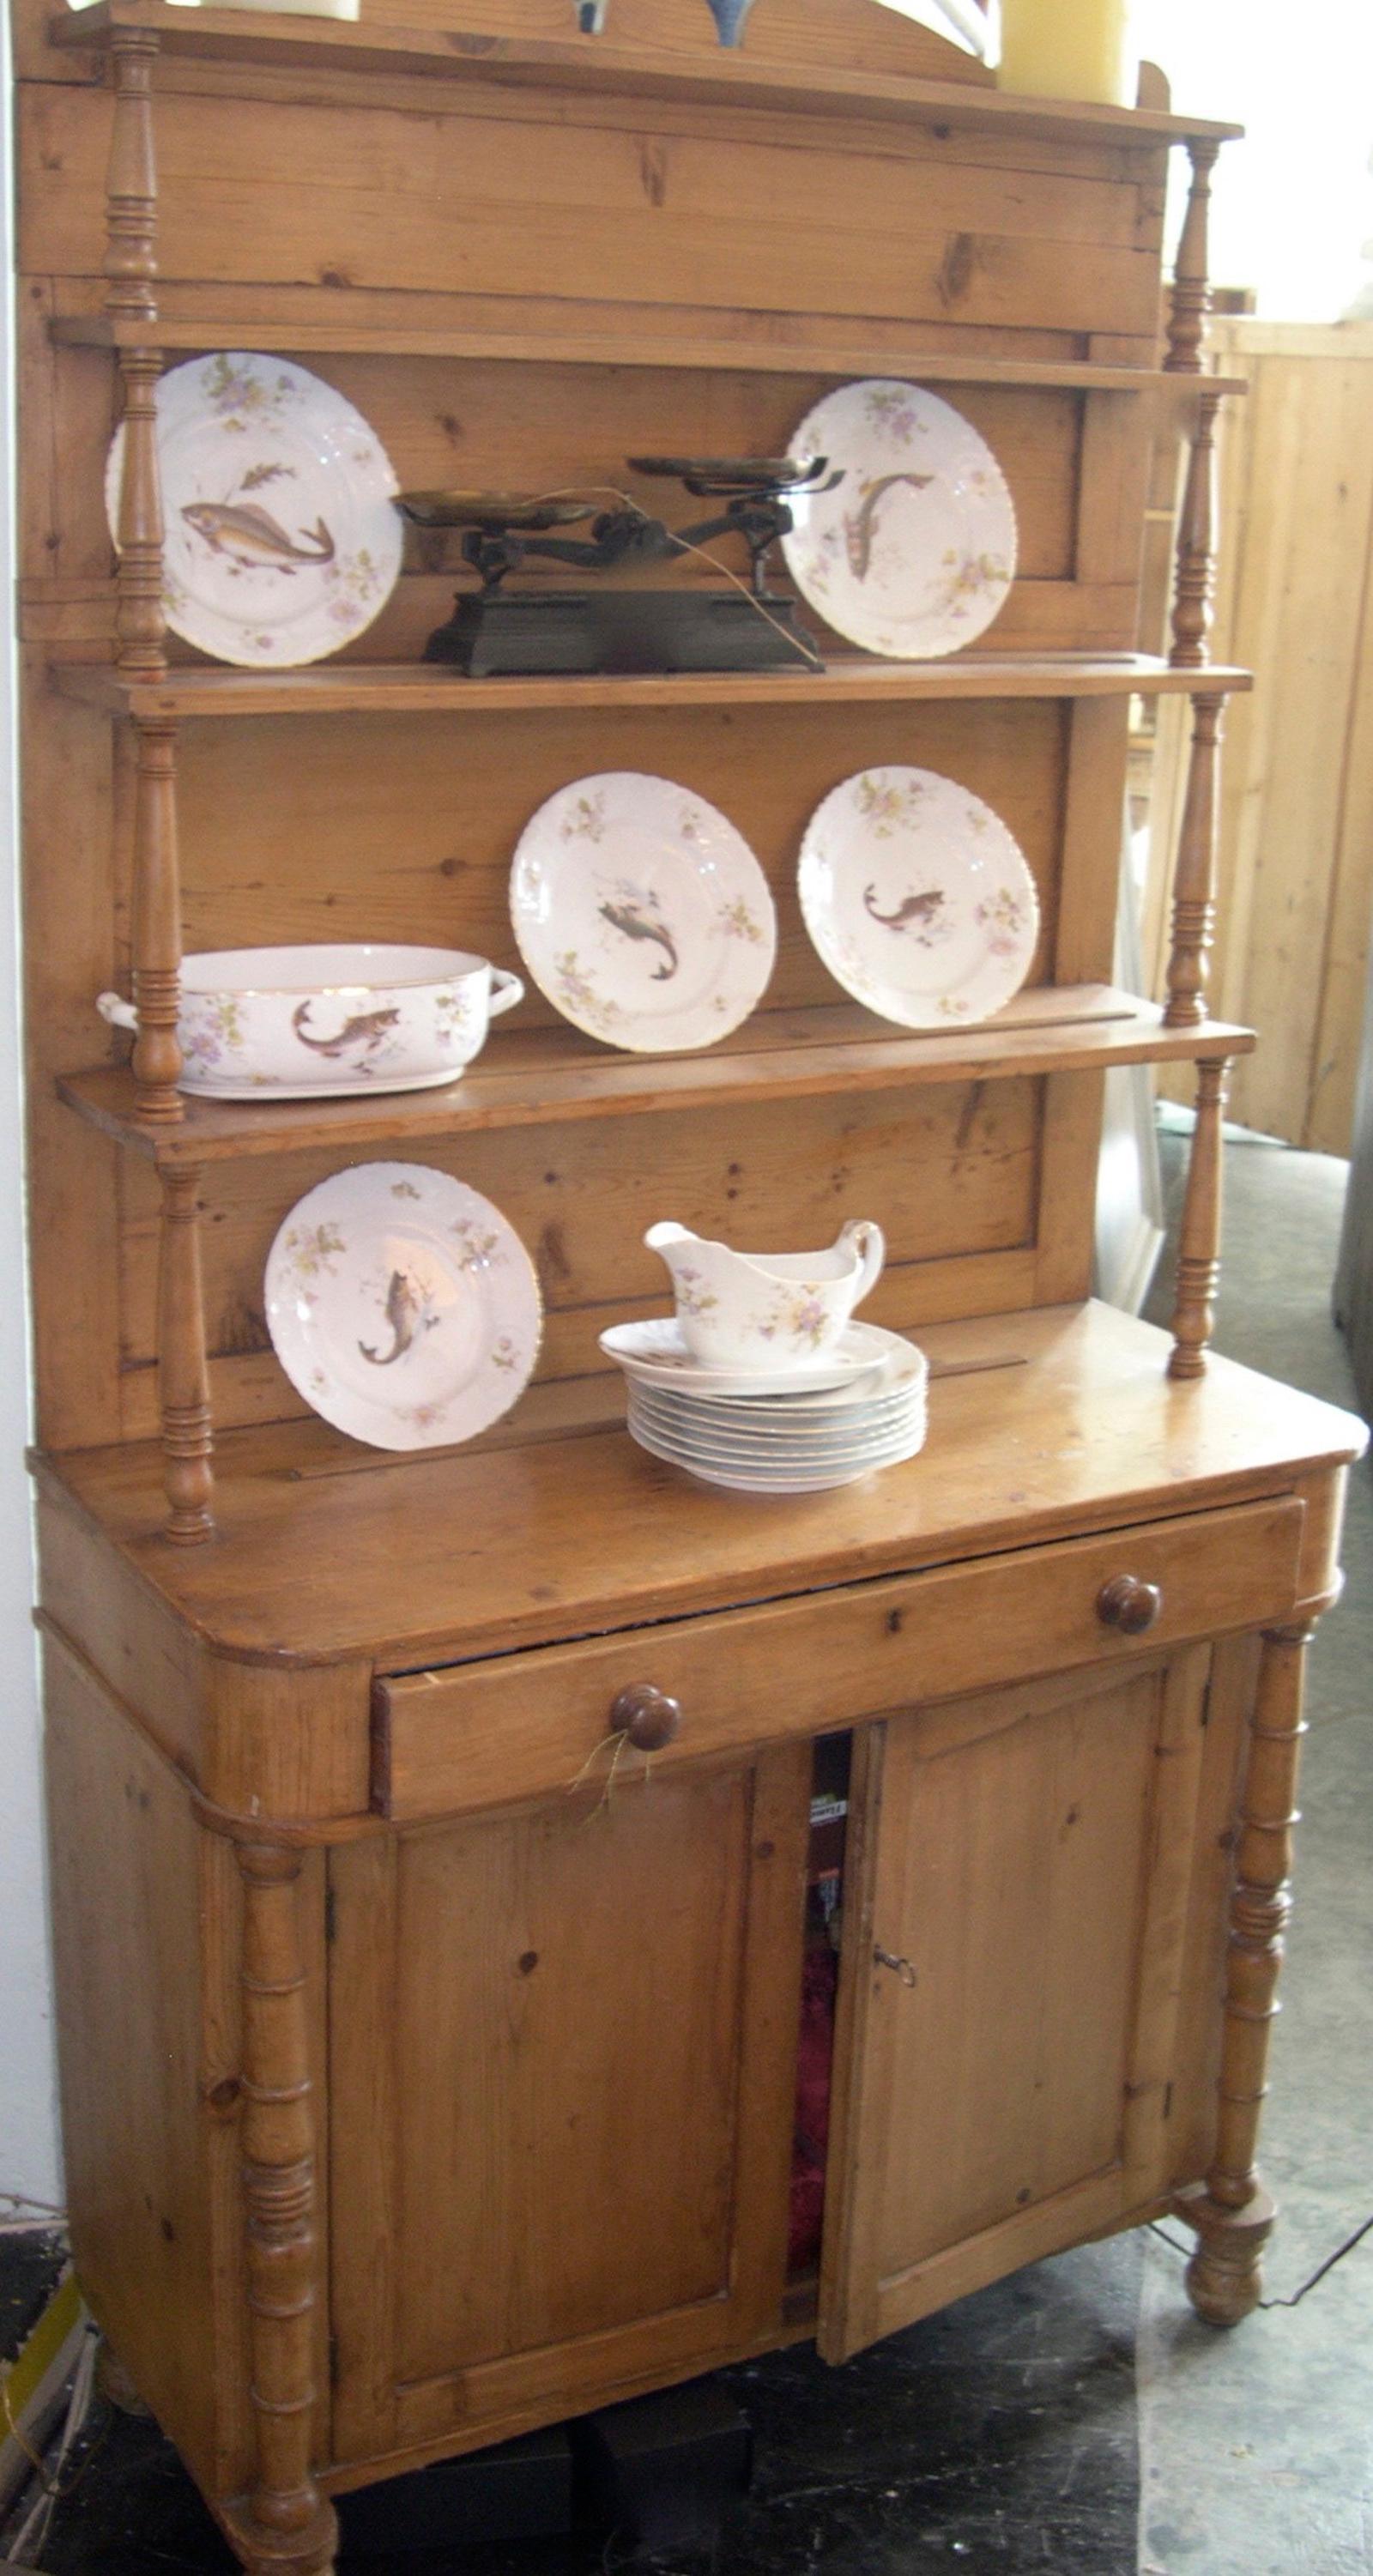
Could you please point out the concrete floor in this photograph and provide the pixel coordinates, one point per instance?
(1077, 2418)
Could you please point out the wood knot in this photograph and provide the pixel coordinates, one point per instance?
(956, 269)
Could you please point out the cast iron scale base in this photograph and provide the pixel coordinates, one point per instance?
(495, 632)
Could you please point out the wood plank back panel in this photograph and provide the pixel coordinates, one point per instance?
(1073, 463)
(535, 200)
(405, 829)
(582, 1196)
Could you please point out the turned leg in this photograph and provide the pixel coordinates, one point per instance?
(1198, 1280)
(183, 1379)
(285, 2527)
(1231, 2212)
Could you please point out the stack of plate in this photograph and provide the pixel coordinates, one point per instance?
(825, 1422)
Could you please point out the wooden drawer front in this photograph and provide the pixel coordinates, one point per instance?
(489, 1734)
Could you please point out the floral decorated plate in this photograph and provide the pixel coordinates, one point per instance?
(917, 898)
(402, 1306)
(655, 1352)
(759, 1451)
(913, 553)
(281, 539)
(796, 1478)
(642, 913)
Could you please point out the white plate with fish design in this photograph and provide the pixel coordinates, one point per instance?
(402, 1306)
(281, 542)
(913, 553)
(918, 898)
(642, 913)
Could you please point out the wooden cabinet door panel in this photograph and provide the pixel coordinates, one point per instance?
(1026, 1857)
(563, 2053)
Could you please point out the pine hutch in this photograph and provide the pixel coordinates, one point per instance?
(416, 2092)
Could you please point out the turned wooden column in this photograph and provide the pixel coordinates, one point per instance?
(1194, 592)
(1198, 1279)
(183, 1379)
(285, 2523)
(1194, 878)
(156, 924)
(1232, 2213)
(1192, 275)
(130, 269)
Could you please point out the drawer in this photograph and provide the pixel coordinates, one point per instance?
(492, 1733)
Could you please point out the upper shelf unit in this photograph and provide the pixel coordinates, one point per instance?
(597, 66)
(417, 688)
(539, 1077)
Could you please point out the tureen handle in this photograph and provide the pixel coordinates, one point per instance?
(119, 1013)
(506, 991)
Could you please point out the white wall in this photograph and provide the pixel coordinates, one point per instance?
(28, 2137)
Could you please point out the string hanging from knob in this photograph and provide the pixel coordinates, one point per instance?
(644, 1720)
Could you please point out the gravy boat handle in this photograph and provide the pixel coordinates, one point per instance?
(869, 1242)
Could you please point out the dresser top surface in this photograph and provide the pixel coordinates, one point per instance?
(1043, 1424)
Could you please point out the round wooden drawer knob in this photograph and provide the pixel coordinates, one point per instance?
(647, 1716)
(1129, 1605)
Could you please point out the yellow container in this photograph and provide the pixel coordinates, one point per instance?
(1068, 49)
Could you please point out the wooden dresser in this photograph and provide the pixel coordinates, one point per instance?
(423, 2081)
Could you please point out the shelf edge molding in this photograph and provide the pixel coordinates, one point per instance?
(416, 688)
(726, 78)
(523, 1082)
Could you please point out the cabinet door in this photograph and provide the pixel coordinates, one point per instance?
(1026, 1857)
(562, 2053)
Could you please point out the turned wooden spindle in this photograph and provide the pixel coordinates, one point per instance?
(187, 1441)
(131, 179)
(1194, 879)
(1198, 1280)
(130, 271)
(1232, 2213)
(1192, 276)
(286, 2523)
(156, 924)
(1194, 591)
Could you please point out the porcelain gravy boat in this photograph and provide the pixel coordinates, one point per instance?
(767, 1310)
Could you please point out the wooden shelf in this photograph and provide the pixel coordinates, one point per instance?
(227, 330)
(571, 1545)
(420, 688)
(540, 1077)
(718, 79)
